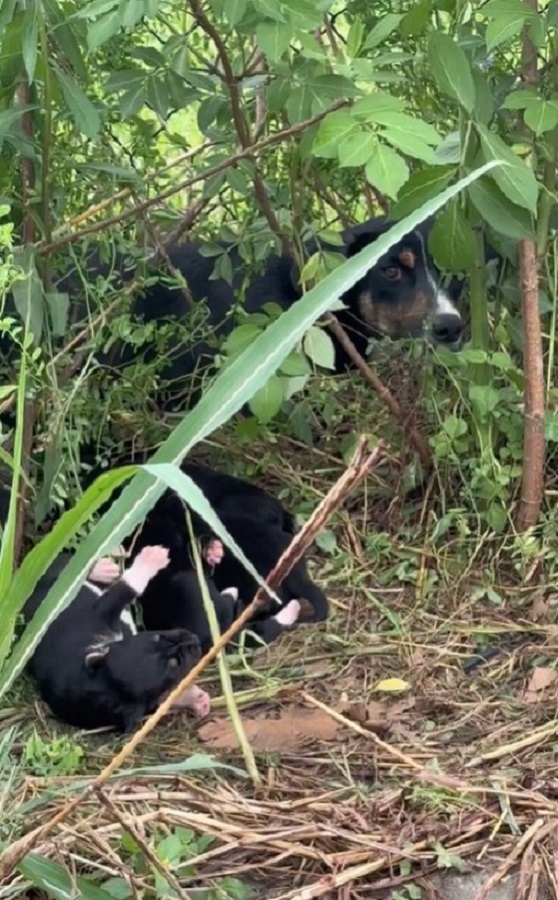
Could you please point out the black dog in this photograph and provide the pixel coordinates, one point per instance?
(93, 669)
(261, 527)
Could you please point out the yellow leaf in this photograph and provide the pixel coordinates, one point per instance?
(392, 684)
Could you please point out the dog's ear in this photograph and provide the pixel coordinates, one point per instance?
(94, 657)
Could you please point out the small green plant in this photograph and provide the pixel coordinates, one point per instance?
(174, 850)
(60, 756)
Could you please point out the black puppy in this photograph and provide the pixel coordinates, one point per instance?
(92, 667)
(262, 528)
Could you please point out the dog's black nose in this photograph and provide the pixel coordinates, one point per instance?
(447, 328)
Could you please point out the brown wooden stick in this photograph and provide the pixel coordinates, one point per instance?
(358, 468)
(383, 392)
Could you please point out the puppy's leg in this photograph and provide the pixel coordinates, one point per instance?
(194, 699)
(213, 552)
(104, 571)
(121, 593)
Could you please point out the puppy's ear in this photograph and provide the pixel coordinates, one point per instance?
(94, 657)
(359, 242)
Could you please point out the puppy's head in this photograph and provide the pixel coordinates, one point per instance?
(147, 665)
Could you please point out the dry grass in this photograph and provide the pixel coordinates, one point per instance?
(454, 766)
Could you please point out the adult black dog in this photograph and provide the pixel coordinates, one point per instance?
(398, 297)
(261, 527)
(92, 668)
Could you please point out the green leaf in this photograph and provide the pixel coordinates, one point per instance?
(132, 101)
(234, 11)
(56, 881)
(241, 338)
(368, 107)
(83, 112)
(520, 99)
(541, 116)
(332, 130)
(266, 403)
(416, 20)
(103, 29)
(452, 241)
(30, 41)
(157, 95)
(515, 180)
(415, 129)
(501, 214)
(385, 26)
(319, 347)
(58, 305)
(509, 17)
(356, 148)
(421, 186)
(274, 38)
(451, 70)
(226, 395)
(28, 292)
(386, 170)
(484, 399)
(409, 145)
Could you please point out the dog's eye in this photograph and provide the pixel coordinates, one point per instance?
(173, 662)
(392, 273)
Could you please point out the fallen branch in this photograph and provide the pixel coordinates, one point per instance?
(358, 468)
(383, 392)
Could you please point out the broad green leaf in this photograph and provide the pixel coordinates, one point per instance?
(409, 145)
(386, 170)
(274, 38)
(30, 40)
(520, 99)
(83, 112)
(368, 107)
(331, 131)
(62, 32)
(269, 9)
(541, 116)
(421, 186)
(318, 346)
(132, 100)
(408, 125)
(515, 180)
(295, 365)
(386, 24)
(501, 214)
(103, 29)
(356, 149)
(234, 11)
(451, 70)
(452, 241)
(508, 18)
(28, 292)
(58, 307)
(157, 96)
(56, 881)
(268, 400)
(225, 396)
(416, 20)
(484, 399)
(240, 338)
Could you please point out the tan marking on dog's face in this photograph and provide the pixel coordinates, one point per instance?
(407, 258)
(397, 320)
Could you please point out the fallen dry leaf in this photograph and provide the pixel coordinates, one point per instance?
(539, 609)
(392, 684)
(292, 729)
(540, 679)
